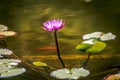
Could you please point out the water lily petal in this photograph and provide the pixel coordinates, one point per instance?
(53, 25)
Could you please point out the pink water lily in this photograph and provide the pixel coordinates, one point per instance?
(53, 25)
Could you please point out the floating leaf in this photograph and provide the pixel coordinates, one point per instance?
(4, 69)
(3, 27)
(61, 73)
(100, 36)
(8, 33)
(74, 73)
(5, 51)
(92, 35)
(108, 36)
(38, 63)
(8, 68)
(12, 72)
(83, 47)
(97, 47)
(112, 77)
(90, 41)
(8, 63)
(9, 60)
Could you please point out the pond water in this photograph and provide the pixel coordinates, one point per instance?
(81, 16)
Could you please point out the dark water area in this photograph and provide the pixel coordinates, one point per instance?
(81, 16)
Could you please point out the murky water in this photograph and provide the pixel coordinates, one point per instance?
(81, 17)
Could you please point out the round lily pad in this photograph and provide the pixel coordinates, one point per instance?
(12, 72)
(74, 73)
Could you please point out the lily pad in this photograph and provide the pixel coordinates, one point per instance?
(8, 33)
(5, 51)
(97, 47)
(5, 69)
(112, 77)
(9, 60)
(108, 36)
(83, 47)
(8, 68)
(73, 73)
(3, 28)
(92, 35)
(90, 41)
(12, 72)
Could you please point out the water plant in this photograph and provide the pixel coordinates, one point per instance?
(55, 25)
(70, 74)
(94, 43)
(4, 32)
(8, 67)
(64, 73)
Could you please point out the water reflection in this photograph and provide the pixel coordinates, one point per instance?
(26, 18)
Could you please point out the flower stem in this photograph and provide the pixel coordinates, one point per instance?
(86, 61)
(58, 51)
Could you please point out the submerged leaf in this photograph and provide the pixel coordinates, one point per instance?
(47, 48)
(97, 47)
(41, 64)
(83, 47)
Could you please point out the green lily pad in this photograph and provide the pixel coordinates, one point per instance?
(83, 47)
(97, 47)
